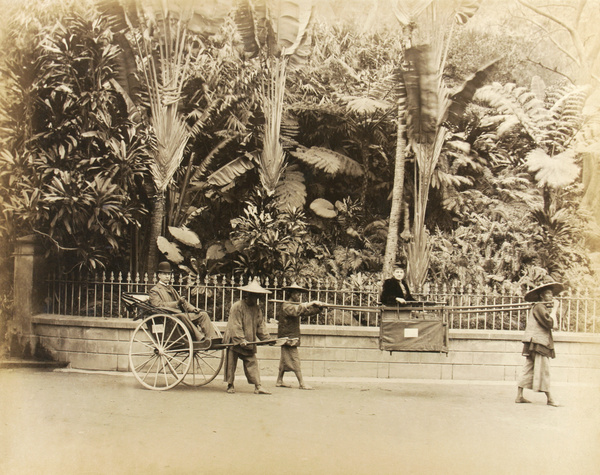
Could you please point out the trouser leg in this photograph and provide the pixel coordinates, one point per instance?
(526, 380)
(204, 322)
(251, 369)
(196, 334)
(231, 358)
(541, 373)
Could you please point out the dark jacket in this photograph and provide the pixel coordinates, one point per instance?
(166, 296)
(392, 289)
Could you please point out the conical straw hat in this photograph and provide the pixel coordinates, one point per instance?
(254, 287)
(295, 286)
(533, 294)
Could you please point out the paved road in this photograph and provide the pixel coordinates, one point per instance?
(64, 422)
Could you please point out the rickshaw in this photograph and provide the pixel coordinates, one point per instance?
(162, 352)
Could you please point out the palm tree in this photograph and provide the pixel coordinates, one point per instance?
(276, 32)
(429, 104)
(164, 42)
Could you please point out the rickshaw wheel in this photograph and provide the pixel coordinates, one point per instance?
(160, 352)
(206, 365)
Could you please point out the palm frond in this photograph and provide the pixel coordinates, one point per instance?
(172, 136)
(464, 94)
(365, 105)
(206, 162)
(465, 10)
(244, 19)
(421, 83)
(228, 173)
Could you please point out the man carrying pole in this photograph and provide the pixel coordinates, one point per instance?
(289, 327)
(246, 326)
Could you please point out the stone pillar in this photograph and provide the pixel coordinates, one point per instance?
(23, 341)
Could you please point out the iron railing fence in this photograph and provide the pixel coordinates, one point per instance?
(467, 308)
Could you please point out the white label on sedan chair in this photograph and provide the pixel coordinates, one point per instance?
(158, 328)
(411, 333)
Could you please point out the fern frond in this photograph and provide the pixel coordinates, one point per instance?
(365, 105)
(566, 112)
(512, 101)
(330, 162)
(556, 171)
(290, 192)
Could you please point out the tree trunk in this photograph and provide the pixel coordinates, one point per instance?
(391, 245)
(365, 160)
(156, 228)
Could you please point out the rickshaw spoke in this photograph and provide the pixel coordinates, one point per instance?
(172, 343)
(154, 360)
(150, 335)
(174, 358)
(161, 351)
(149, 353)
(206, 365)
(172, 331)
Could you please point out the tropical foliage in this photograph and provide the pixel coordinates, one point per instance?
(271, 169)
(75, 174)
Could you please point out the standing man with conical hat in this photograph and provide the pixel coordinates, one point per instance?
(538, 344)
(246, 324)
(289, 326)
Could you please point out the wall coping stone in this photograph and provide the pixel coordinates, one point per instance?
(100, 322)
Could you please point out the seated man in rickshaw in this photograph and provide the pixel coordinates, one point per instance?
(163, 295)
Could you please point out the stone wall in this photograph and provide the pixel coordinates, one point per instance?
(327, 351)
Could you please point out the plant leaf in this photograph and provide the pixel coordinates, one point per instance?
(170, 250)
(323, 208)
(329, 161)
(186, 236)
(229, 172)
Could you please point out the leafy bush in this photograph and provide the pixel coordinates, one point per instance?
(269, 242)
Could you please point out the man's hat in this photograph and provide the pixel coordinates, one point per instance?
(549, 283)
(254, 287)
(165, 266)
(295, 286)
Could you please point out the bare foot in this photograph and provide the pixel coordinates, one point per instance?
(230, 389)
(522, 400)
(282, 385)
(552, 402)
(306, 386)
